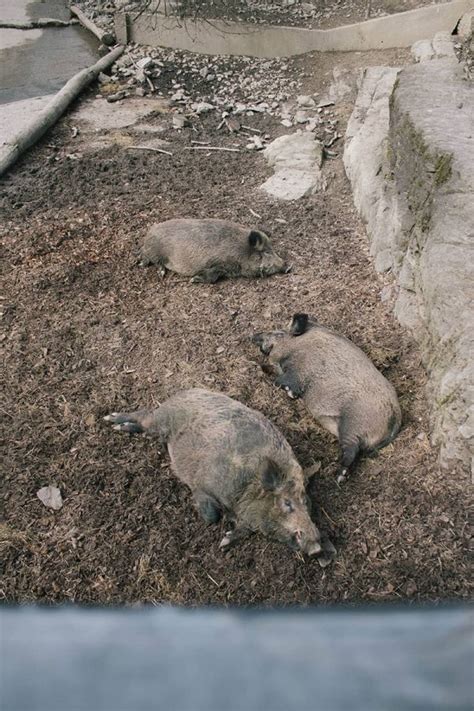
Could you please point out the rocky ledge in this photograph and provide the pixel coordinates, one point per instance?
(410, 158)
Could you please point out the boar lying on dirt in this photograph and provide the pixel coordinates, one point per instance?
(208, 250)
(340, 386)
(236, 463)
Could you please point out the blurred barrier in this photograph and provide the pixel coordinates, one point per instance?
(375, 659)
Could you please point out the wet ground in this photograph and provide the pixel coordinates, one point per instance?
(34, 64)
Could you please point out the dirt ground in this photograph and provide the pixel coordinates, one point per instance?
(86, 331)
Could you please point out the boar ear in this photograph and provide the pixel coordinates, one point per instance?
(299, 324)
(257, 240)
(272, 477)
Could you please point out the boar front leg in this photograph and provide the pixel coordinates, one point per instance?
(209, 276)
(232, 537)
(289, 381)
(208, 507)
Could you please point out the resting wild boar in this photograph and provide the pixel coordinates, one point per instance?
(208, 250)
(340, 386)
(236, 463)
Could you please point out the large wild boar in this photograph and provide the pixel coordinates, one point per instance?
(340, 386)
(208, 250)
(236, 463)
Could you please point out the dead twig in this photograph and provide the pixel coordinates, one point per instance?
(211, 148)
(149, 148)
(249, 128)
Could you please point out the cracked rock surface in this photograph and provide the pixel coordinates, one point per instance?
(410, 157)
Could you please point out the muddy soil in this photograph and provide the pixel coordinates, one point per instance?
(86, 331)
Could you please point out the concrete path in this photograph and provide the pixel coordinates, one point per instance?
(35, 64)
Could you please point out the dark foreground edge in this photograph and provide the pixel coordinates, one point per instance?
(72, 658)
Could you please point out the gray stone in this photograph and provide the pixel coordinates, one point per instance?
(51, 497)
(345, 84)
(179, 121)
(443, 45)
(466, 26)
(297, 159)
(301, 116)
(422, 51)
(202, 107)
(306, 101)
(410, 158)
(440, 46)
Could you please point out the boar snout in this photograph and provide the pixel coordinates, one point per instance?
(308, 542)
(259, 340)
(273, 264)
(266, 341)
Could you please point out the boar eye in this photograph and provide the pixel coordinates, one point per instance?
(288, 506)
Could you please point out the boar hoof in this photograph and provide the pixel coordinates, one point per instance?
(341, 478)
(226, 542)
(328, 552)
(290, 392)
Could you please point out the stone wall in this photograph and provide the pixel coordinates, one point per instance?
(410, 157)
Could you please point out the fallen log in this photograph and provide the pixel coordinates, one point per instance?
(37, 24)
(47, 117)
(107, 38)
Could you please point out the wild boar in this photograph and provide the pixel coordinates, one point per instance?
(340, 386)
(208, 250)
(236, 463)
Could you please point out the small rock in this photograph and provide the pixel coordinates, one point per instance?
(287, 123)
(178, 96)
(140, 91)
(202, 107)
(422, 51)
(118, 96)
(179, 121)
(322, 104)
(144, 62)
(306, 101)
(255, 144)
(51, 497)
(301, 117)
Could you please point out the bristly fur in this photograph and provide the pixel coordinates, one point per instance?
(211, 249)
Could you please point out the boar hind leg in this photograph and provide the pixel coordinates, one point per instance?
(208, 508)
(350, 449)
(139, 422)
(209, 276)
(288, 380)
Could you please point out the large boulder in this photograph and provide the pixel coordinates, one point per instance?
(410, 157)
